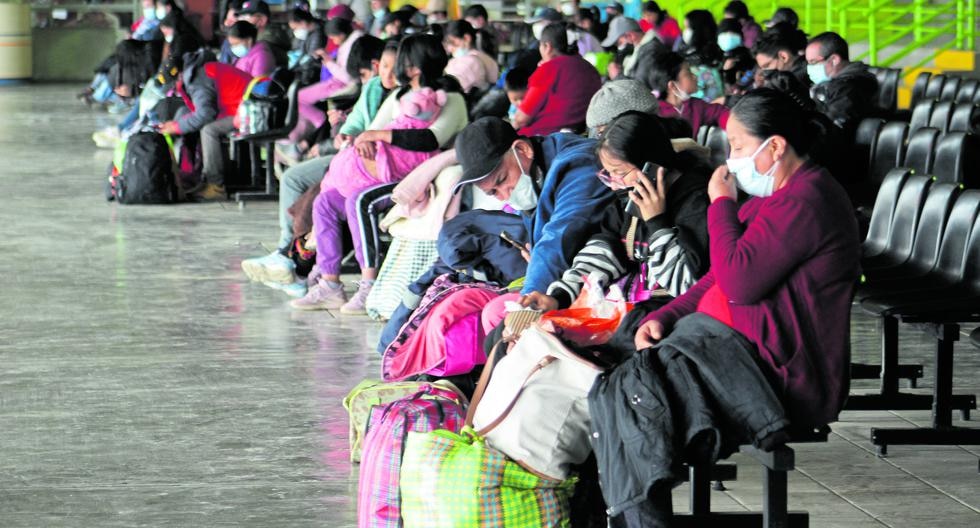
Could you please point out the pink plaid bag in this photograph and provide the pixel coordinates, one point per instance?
(378, 497)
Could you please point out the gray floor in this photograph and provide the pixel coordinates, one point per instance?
(144, 382)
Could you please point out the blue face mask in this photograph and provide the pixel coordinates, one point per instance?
(150, 13)
(817, 72)
(512, 112)
(748, 178)
(161, 12)
(380, 13)
(729, 41)
(239, 50)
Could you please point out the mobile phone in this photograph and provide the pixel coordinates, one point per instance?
(510, 240)
(648, 168)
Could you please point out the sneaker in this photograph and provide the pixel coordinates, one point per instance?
(274, 267)
(209, 193)
(296, 289)
(356, 306)
(107, 138)
(322, 296)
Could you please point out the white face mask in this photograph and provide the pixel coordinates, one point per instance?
(680, 94)
(748, 178)
(301, 33)
(161, 12)
(729, 41)
(817, 72)
(168, 38)
(687, 35)
(150, 13)
(523, 197)
(239, 50)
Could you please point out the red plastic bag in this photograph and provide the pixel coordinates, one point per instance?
(592, 319)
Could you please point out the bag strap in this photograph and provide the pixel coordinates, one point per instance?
(252, 83)
(481, 389)
(631, 238)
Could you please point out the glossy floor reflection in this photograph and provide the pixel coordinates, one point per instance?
(144, 382)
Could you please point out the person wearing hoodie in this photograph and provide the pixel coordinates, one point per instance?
(550, 180)
(843, 90)
(474, 69)
(253, 56)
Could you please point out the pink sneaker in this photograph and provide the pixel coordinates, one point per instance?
(322, 296)
(356, 306)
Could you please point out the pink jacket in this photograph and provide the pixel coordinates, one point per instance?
(258, 61)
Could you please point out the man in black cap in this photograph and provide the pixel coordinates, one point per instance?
(276, 35)
(550, 179)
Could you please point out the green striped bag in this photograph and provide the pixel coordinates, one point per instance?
(451, 480)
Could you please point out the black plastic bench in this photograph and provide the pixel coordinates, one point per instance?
(775, 505)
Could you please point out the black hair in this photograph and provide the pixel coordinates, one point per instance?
(136, 62)
(766, 112)
(703, 28)
(786, 15)
(831, 44)
(391, 46)
(171, 20)
(653, 7)
(172, 4)
(459, 29)
(730, 25)
(424, 52)
(339, 26)
(781, 37)
(637, 137)
(243, 30)
(362, 52)
(585, 12)
(656, 69)
(737, 9)
(744, 62)
(476, 11)
(516, 79)
(790, 85)
(557, 36)
(298, 14)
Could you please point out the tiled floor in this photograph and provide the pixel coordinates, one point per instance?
(144, 382)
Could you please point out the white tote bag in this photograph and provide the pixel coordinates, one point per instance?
(535, 408)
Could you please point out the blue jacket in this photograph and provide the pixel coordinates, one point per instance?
(570, 207)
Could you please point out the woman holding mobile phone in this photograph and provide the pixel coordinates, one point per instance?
(663, 241)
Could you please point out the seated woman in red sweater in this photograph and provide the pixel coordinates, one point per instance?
(783, 265)
(669, 77)
(559, 91)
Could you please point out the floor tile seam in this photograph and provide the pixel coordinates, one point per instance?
(910, 474)
(834, 492)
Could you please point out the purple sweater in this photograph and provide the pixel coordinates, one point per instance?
(788, 265)
(258, 61)
(697, 113)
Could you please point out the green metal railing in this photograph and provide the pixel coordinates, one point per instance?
(909, 25)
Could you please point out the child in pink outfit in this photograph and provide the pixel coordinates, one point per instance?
(349, 173)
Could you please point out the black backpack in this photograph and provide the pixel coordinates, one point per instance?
(148, 172)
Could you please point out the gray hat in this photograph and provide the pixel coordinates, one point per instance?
(618, 97)
(618, 27)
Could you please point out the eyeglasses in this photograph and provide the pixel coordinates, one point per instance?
(613, 180)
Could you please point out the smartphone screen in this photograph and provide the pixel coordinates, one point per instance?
(510, 240)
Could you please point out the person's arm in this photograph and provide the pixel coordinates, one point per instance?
(264, 63)
(683, 305)
(713, 114)
(749, 262)
(677, 253)
(205, 99)
(452, 119)
(359, 117)
(599, 256)
(534, 100)
(338, 71)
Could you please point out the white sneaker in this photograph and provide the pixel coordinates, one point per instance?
(296, 290)
(107, 137)
(358, 303)
(323, 296)
(274, 267)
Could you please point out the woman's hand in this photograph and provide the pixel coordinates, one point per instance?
(365, 142)
(169, 128)
(722, 185)
(336, 117)
(649, 197)
(540, 301)
(648, 334)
